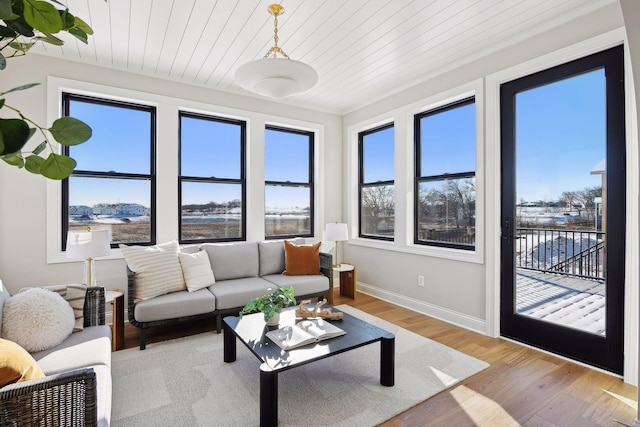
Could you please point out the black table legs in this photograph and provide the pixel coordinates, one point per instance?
(387, 360)
(268, 397)
(229, 345)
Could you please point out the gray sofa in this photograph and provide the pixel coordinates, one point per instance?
(243, 270)
(77, 388)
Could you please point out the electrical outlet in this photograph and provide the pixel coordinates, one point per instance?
(421, 281)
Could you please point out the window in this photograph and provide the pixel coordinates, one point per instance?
(445, 184)
(211, 178)
(288, 171)
(376, 183)
(113, 184)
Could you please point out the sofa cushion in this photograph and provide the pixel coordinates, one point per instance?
(272, 255)
(175, 305)
(233, 260)
(157, 269)
(37, 319)
(302, 285)
(301, 259)
(16, 364)
(237, 292)
(196, 269)
(91, 346)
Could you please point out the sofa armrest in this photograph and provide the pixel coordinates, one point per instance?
(68, 398)
(326, 267)
(94, 306)
(131, 291)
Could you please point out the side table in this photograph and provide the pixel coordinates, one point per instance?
(347, 280)
(116, 298)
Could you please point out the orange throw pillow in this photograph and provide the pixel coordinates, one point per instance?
(16, 364)
(301, 259)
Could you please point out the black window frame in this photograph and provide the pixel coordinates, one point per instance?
(67, 98)
(419, 178)
(212, 179)
(380, 183)
(310, 183)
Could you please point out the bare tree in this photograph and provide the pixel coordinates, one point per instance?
(378, 208)
(454, 201)
(569, 198)
(586, 197)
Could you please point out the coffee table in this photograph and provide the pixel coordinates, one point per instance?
(251, 329)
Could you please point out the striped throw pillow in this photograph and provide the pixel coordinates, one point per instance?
(157, 269)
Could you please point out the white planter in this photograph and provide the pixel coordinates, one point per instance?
(275, 320)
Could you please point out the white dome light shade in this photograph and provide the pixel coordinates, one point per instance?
(276, 77)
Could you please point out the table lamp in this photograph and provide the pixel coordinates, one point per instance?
(88, 244)
(336, 232)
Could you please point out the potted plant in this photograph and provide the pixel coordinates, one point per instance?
(271, 304)
(22, 24)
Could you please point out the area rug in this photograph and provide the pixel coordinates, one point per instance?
(184, 382)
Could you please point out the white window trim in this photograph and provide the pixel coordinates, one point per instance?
(167, 109)
(402, 118)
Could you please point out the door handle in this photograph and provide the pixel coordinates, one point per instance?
(506, 230)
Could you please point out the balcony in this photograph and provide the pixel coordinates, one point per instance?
(560, 277)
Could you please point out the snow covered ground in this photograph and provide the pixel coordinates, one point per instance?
(111, 219)
(561, 299)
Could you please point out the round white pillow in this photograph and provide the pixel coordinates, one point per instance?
(37, 319)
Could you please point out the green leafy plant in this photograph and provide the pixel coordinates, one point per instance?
(270, 303)
(22, 24)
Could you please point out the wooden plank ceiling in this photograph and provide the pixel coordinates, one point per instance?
(363, 50)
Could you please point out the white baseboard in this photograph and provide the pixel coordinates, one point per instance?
(464, 321)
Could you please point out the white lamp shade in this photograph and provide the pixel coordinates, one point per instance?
(336, 232)
(88, 244)
(276, 77)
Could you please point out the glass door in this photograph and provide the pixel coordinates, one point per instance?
(562, 284)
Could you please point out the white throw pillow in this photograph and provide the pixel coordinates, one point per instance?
(37, 319)
(157, 269)
(74, 295)
(197, 270)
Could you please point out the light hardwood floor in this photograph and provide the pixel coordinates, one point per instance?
(522, 387)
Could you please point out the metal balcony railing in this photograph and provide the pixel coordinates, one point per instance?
(574, 252)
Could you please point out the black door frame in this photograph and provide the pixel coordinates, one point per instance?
(603, 352)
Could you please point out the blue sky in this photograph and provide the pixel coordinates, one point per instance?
(378, 156)
(209, 148)
(449, 141)
(103, 153)
(559, 138)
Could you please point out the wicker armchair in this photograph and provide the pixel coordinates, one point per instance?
(65, 399)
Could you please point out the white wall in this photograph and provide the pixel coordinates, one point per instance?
(24, 218)
(455, 289)
(631, 13)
